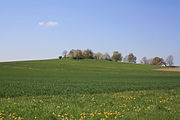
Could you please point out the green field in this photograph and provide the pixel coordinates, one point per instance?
(87, 90)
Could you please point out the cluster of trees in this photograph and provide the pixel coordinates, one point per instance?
(89, 54)
(117, 57)
(158, 61)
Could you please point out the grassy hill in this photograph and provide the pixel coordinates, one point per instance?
(87, 89)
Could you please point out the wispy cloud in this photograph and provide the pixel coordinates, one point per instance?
(49, 24)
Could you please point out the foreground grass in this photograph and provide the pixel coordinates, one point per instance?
(87, 89)
(144, 104)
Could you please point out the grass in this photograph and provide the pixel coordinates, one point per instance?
(87, 89)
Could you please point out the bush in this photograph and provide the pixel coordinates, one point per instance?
(60, 57)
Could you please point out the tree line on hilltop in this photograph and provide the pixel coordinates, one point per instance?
(117, 57)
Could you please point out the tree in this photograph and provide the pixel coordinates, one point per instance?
(163, 62)
(75, 54)
(150, 61)
(131, 58)
(106, 56)
(97, 55)
(78, 54)
(125, 59)
(87, 54)
(158, 61)
(144, 60)
(71, 53)
(65, 53)
(169, 60)
(116, 56)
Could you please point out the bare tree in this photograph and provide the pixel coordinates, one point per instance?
(98, 55)
(169, 60)
(71, 54)
(125, 59)
(144, 60)
(150, 61)
(64, 53)
(106, 56)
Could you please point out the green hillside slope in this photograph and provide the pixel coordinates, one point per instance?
(56, 77)
(87, 90)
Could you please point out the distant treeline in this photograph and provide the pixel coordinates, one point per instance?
(117, 57)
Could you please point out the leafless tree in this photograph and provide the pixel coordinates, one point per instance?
(150, 61)
(169, 60)
(106, 56)
(125, 59)
(144, 60)
(98, 55)
(64, 53)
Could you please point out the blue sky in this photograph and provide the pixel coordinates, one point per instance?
(38, 29)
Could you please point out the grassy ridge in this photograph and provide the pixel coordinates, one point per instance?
(87, 89)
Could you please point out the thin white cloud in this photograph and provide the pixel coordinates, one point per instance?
(52, 23)
(49, 24)
(41, 23)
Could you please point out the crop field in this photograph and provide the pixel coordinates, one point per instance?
(87, 90)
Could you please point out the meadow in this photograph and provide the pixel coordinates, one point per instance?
(87, 90)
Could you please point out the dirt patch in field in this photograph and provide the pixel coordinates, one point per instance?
(169, 69)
